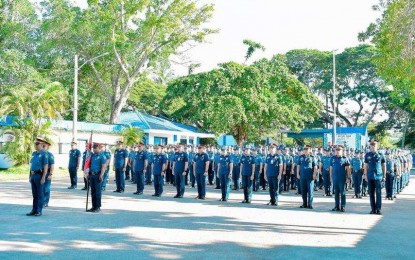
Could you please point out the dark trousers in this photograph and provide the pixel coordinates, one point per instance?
(127, 172)
(364, 187)
(211, 173)
(140, 181)
(95, 190)
(247, 186)
(169, 174)
(201, 184)
(120, 179)
(307, 191)
(158, 184)
(192, 176)
(105, 179)
(46, 188)
(339, 193)
(235, 177)
(73, 176)
(375, 194)
(357, 183)
(37, 193)
(262, 181)
(327, 182)
(180, 183)
(256, 181)
(225, 184)
(293, 181)
(149, 174)
(390, 179)
(273, 188)
(217, 178)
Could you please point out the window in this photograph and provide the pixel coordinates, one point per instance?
(160, 140)
(183, 141)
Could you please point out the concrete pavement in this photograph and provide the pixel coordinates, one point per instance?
(146, 227)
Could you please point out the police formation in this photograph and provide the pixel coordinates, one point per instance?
(304, 170)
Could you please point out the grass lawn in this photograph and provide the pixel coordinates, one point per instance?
(22, 172)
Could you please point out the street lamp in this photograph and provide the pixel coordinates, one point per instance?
(75, 93)
(334, 98)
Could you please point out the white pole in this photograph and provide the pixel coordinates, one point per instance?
(334, 98)
(75, 101)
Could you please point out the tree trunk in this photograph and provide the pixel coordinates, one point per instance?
(115, 112)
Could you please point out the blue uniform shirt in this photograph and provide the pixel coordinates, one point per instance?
(390, 167)
(74, 154)
(225, 165)
(326, 161)
(191, 157)
(51, 160)
(273, 165)
(158, 161)
(200, 160)
(307, 164)
(119, 158)
(357, 164)
(247, 161)
(150, 156)
(97, 160)
(108, 157)
(374, 161)
(258, 160)
(338, 165)
(139, 160)
(179, 162)
(38, 161)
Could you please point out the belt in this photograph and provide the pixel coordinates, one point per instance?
(94, 173)
(36, 172)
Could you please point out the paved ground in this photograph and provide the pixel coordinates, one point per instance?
(148, 227)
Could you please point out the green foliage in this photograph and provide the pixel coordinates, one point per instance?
(132, 136)
(146, 96)
(252, 47)
(245, 101)
(25, 132)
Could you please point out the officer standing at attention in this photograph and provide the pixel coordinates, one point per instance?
(38, 169)
(236, 160)
(150, 156)
(306, 173)
(375, 174)
(339, 172)
(159, 170)
(258, 168)
(357, 175)
(215, 168)
(96, 176)
(390, 175)
(120, 165)
(139, 168)
(273, 172)
(325, 168)
(107, 154)
(51, 168)
(289, 161)
(83, 164)
(224, 173)
(247, 174)
(201, 168)
(74, 162)
(180, 166)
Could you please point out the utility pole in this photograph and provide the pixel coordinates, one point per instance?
(334, 99)
(75, 101)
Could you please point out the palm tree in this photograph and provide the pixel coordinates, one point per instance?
(132, 136)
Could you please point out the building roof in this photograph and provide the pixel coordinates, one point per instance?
(149, 122)
(318, 133)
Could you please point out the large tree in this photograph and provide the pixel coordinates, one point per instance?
(136, 35)
(248, 102)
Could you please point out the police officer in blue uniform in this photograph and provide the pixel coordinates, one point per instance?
(247, 174)
(339, 173)
(83, 164)
(375, 174)
(38, 169)
(289, 161)
(51, 168)
(74, 162)
(258, 168)
(236, 160)
(150, 156)
(201, 168)
(273, 171)
(390, 175)
(139, 167)
(180, 165)
(96, 176)
(107, 154)
(224, 172)
(121, 158)
(215, 168)
(306, 173)
(159, 171)
(191, 172)
(325, 169)
(357, 175)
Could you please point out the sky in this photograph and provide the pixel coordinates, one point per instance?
(279, 25)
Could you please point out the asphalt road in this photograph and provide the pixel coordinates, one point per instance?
(145, 227)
